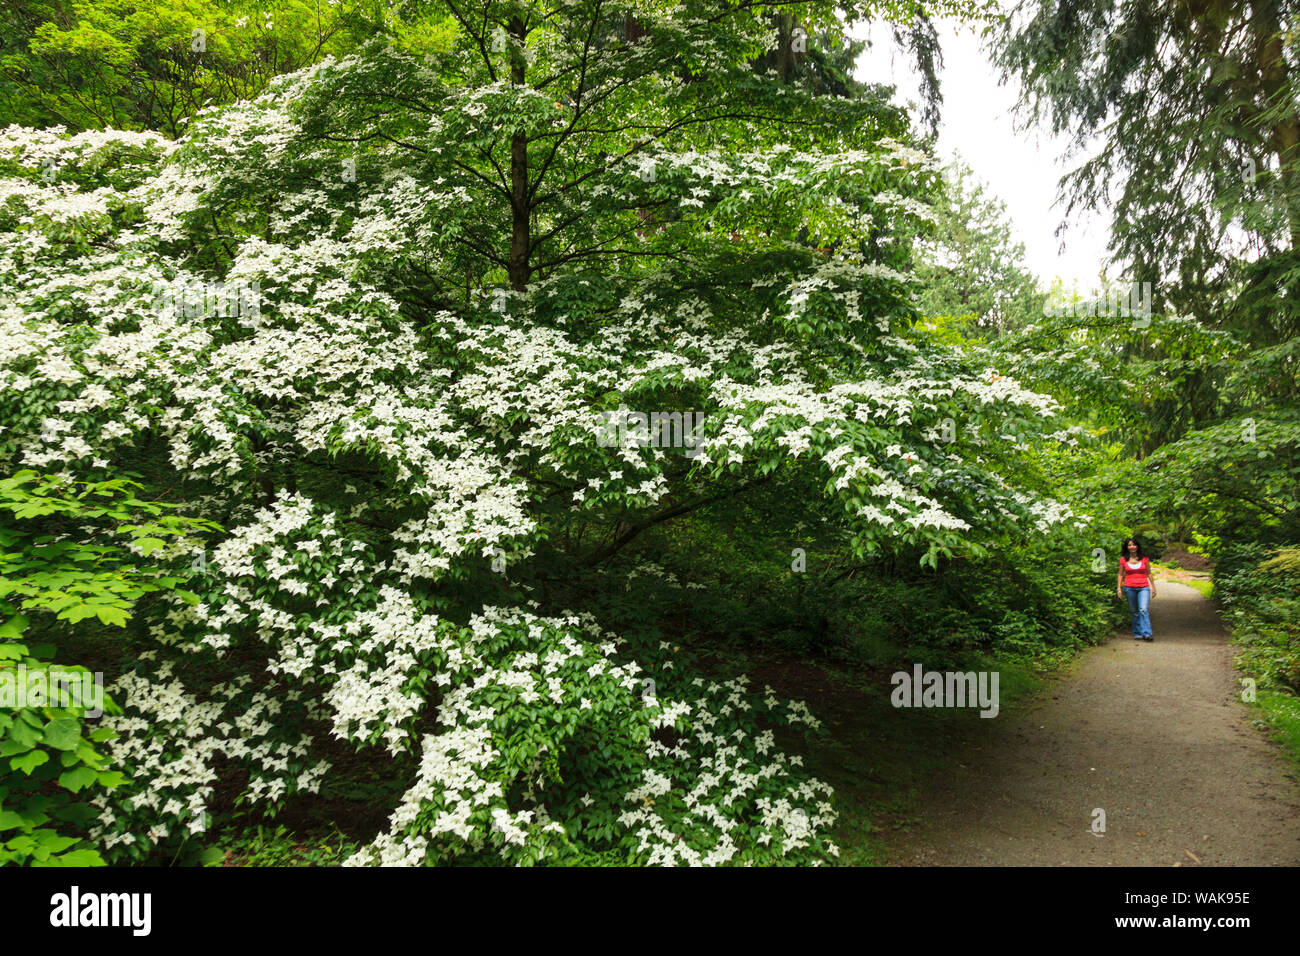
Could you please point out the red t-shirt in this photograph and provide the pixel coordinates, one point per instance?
(1136, 577)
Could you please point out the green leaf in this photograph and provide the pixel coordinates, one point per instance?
(23, 843)
(51, 842)
(62, 733)
(83, 857)
(212, 856)
(29, 761)
(9, 820)
(149, 545)
(78, 779)
(113, 615)
(11, 629)
(78, 612)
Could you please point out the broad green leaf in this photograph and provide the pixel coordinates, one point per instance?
(29, 761)
(63, 733)
(77, 779)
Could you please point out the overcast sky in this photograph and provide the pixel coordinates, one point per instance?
(1021, 168)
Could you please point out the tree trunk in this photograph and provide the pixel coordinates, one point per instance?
(1275, 84)
(521, 211)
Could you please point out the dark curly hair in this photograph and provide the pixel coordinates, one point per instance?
(1123, 549)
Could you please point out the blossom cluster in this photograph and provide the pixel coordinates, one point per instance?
(371, 445)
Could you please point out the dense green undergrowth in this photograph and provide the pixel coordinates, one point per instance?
(1260, 589)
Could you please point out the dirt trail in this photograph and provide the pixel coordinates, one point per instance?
(1154, 734)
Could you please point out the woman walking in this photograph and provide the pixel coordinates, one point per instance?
(1137, 585)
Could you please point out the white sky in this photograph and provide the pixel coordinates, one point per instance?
(1021, 168)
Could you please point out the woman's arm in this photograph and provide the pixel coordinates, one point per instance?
(1119, 581)
(1151, 576)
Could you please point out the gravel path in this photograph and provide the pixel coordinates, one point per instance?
(1153, 734)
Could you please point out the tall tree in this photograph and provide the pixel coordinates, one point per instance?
(1191, 108)
(1192, 111)
(972, 268)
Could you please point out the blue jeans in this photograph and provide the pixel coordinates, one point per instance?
(1139, 599)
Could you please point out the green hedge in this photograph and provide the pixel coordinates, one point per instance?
(1260, 589)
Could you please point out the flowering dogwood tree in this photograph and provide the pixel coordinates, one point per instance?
(373, 323)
